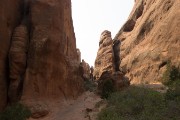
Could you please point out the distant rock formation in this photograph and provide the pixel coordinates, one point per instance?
(150, 38)
(78, 55)
(105, 55)
(85, 70)
(43, 58)
(106, 62)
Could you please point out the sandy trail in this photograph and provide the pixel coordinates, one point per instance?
(74, 109)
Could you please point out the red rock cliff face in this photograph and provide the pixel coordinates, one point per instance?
(150, 38)
(10, 12)
(52, 66)
(43, 57)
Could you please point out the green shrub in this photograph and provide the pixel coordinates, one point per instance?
(15, 112)
(171, 78)
(171, 75)
(135, 103)
(90, 85)
(173, 92)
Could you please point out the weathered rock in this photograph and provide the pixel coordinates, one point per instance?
(150, 38)
(79, 55)
(91, 73)
(85, 70)
(38, 109)
(52, 67)
(118, 80)
(17, 62)
(107, 59)
(105, 56)
(10, 12)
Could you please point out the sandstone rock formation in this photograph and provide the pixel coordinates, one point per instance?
(85, 70)
(79, 56)
(52, 66)
(10, 12)
(106, 61)
(105, 55)
(49, 68)
(149, 38)
(17, 61)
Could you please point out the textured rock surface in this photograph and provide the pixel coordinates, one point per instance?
(107, 59)
(49, 68)
(17, 62)
(105, 55)
(118, 80)
(52, 66)
(10, 16)
(85, 70)
(78, 56)
(150, 38)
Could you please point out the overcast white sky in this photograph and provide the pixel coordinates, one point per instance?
(92, 17)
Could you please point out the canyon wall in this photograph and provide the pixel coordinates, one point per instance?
(149, 39)
(11, 14)
(52, 66)
(38, 40)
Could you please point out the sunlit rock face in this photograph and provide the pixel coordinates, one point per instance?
(39, 60)
(105, 56)
(150, 38)
(105, 64)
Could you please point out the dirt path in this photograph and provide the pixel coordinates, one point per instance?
(74, 110)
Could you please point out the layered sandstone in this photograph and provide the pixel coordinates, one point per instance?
(150, 38)
(85, 70)
(106, 61)
(105, 55)
(52, 66)
(10, 12)
(37, 38)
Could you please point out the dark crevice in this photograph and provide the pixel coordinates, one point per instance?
(162, 64)
(116, 50)
(139, 10)
(145, 29)
(15, 93)
(129, 26)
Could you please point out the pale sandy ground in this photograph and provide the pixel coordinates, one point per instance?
(156, 86)
(74, 109)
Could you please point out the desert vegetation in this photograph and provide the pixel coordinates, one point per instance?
(15, 112)
(138, 103)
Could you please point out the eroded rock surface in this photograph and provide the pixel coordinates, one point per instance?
(85, 70)
(43, 58)
(107, 59)
(10, 12)
(149, 38)
(17, 62)
(105, 55)
(52, 67)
